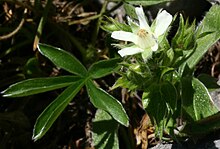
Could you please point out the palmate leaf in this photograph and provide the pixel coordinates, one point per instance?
(51, 113)
(102, 100)
(63, 59)
(38, 85)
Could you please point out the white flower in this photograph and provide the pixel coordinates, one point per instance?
(144, 37)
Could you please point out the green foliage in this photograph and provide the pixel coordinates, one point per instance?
(183, 44)
(160, 100)
(114, 25)
(130, 10)
(136, 77)
(169, 89)
(51, 113)
(196, 101)
(105, 131)
(42, 22)
(166, 79)
(209, 33)
(103, 68)
(65, 60)
(125, 83)
(104, 101)
(184, 39)
(38, 85)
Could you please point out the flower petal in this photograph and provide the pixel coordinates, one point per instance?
(130, 51)
(155, 47)
(142, 19)
(125, 36)
(163, 21)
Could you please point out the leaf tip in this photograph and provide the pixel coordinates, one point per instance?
(4, 93)
(124, 122)
(127, 122)
(36, 137)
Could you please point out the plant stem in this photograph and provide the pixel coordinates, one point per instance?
(42, 23)
(84, 19)
(96, 30)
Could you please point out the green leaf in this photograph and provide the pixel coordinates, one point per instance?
(38, 85)
(169, 94)
(168, 57)
(102, 100)
(210, 24)
(63, 59)
(117, 26)
(146, 2)
(179, 34)
(130, 11)
(165, 70)
(196, 100)
(125, 83)
(183, 42)
(103, 68)
(160, 102)
(105, 130)
(137, 75)
(51, 113)
(108, 27)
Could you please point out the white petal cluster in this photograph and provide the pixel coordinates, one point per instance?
(145, 38)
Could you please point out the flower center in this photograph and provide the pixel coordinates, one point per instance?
(142, 33)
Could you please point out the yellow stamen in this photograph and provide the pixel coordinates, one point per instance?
(142, 33)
